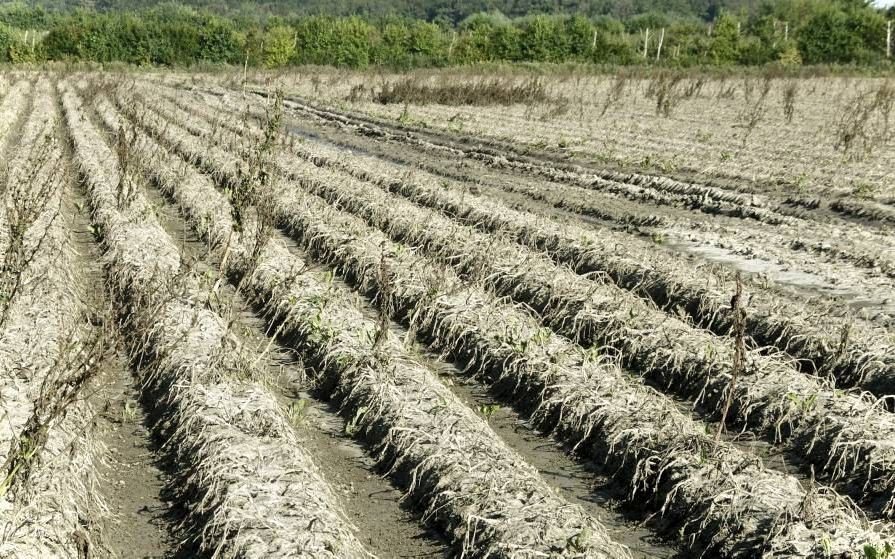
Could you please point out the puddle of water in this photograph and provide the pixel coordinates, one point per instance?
(309, 136)
(304, 134)
(799, 281)
(796, 279)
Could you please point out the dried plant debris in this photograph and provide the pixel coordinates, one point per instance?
(316, 233)
(739, 417)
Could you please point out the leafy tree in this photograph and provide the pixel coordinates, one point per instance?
(608, 24)
(337, 41)
(23, 16)
(506, 43)
(407, 43)
(473, 45)
(651, 20)
(543, 40)
(579, 37)
(789, 54)
(838, 33)
(7, 41)
(355, 38)
(316, 38)
(487, 37)
(393, 43)
(426, 41)
(219, 41)
(818, 31)
(612, 48)
(279, 46)
(725, 45)
(63, 40)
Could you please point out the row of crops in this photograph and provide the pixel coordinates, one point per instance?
(353, 263)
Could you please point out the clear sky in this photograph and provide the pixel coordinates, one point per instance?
(884, 2)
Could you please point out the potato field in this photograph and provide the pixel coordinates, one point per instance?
(334, 314)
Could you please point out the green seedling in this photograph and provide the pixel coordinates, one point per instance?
(884, 551)
(863, 190)
(827, 544)
(351, 426)
(804, 403)
(488, 411)
(296, 411)
(579, 542)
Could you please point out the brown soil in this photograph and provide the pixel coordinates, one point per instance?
(795, 274)
(385, 526)
(134, 481)
(575, 480)
(372, 504)
(139, 522)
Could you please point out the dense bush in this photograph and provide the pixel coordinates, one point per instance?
(22, 16)
(155, 37)
(842, 35)
(7, 40)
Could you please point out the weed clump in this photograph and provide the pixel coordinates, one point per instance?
(755, 108)
(76, 365)
(28, 197)
(789, 100)
(665, 89)
(488, 92)
(865, 121)
(615, 92)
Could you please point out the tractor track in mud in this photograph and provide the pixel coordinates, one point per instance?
(797, 287)
(134, 473)
(795, 267)
(800, 271)
(223, 393)
(481, 147)
(769, 291)
(799, 267)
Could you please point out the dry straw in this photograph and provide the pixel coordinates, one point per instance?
(49, 504)
(868, 360)
(249, 487)
(426, 436)
(316, 237)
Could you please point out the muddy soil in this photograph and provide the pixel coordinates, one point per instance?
(374, 505)
(383, 521)
(135, 479)
(371, 503)
(574, 479)
(141, 521)
(779, 193)
(758, 250)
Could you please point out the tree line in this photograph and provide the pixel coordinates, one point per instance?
(449, 12)
(788, 32)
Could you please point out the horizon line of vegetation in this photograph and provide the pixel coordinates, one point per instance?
(788, 33)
